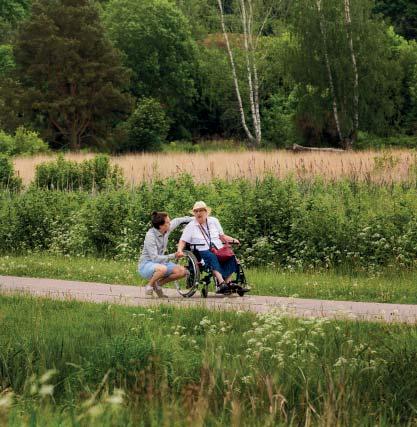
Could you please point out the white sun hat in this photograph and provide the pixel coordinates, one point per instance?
(201, 205)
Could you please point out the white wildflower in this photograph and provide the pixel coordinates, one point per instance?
(117, 397)
(46, 390)
(47, 376)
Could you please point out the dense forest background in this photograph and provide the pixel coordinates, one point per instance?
(128, 75)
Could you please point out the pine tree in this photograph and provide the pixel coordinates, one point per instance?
(71, 77)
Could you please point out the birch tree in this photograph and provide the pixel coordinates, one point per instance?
(346, 67)
(251, 33)
(329, 70)
(348, 23)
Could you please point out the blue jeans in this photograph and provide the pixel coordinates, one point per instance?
(226, 269)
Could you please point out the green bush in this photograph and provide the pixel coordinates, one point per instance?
(147, 127)
(23, 142)
(279, 120)
(95, 174)
(8, 179)
(295, 225)
(369, 141)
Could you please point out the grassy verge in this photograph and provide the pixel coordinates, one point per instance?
(389, 286)
(75, 364)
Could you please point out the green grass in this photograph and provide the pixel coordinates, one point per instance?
(387, 286)
(124, 366)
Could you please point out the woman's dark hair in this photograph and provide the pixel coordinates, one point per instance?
(158, 218)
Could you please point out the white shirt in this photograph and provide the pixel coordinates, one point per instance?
(192, 233)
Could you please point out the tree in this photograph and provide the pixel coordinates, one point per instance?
(6, 59)
(246, 14)
(156, 40)
(402, 13)
(71, 78)
(347, 72)
(147, 127)
(11, 13)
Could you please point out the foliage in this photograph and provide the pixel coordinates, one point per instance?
(156, 40)
(403, 14)
(369, 141)
(60, 75)
(309, 224)
(379, 72)
(8, 179)
(89, 175)
(6, 59)
(104, 364)
(11, 13)
(23, 142)
(147, 127)
(71, 78)
(279, 120)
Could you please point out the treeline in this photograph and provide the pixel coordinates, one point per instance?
(295, 225)
(122, 75)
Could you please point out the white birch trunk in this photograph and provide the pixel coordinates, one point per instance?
(348, 22)
(235, 80)
(247, 19)
(329, 71)
(255, 71)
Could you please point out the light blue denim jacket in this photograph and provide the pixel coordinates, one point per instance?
(155, 243)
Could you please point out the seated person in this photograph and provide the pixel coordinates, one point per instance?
(154, 264)
(206, 230)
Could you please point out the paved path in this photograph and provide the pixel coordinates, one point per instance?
(133, 295)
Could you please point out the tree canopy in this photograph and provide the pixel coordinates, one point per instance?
(156, 39)
(70, 78)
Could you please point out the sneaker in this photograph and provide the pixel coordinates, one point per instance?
(222, 289)
(158, 290)
(149, 290)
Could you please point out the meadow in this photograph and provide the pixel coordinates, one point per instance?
(326, 226)
(382, 166)
(74, 364)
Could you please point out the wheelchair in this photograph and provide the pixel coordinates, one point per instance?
(200, 276)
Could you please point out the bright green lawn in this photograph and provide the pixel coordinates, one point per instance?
(388, 286)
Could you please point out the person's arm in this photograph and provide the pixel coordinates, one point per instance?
(152, 249)
(178, 221)
(185, 238)
(224, 237)
(228, 239)
(180, 248)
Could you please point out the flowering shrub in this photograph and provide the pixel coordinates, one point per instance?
(279, 223)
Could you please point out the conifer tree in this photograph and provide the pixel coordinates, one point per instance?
(70, 76)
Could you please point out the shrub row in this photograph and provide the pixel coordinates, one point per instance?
(94, 174)
(8, 178)
(287, 223)
(22, 142)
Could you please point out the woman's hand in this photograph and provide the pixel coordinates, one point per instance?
(179, 254)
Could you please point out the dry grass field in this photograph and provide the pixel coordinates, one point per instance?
(376, 166)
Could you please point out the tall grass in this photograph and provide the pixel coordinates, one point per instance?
(375, 166)
(86, 365)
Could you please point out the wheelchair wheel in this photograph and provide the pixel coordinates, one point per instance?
(187, 286)
(241, 281)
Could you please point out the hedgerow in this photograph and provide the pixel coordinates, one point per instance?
(93, 174)
(279, 222)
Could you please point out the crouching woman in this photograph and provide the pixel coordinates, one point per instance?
(154, 264)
